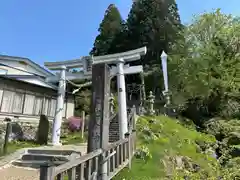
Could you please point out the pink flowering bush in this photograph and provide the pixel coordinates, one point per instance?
(74, 123)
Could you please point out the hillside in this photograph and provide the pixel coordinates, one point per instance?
(169, 150)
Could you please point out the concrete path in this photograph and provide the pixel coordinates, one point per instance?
(16, 173)
(10, 172)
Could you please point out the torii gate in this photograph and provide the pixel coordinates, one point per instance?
(86, 63)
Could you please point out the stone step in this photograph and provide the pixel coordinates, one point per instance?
(113, 135)
(34, 164)
(52, 152)
(44, 157)
(114, 128)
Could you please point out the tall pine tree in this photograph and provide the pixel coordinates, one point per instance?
(111, 26)
(155, 24)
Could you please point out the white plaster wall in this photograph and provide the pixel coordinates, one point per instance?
(18, 65)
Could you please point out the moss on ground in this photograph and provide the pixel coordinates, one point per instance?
(16, 145)
(71, 138)
(160, 139)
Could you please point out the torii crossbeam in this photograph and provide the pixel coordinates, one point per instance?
(86, 63)
(80, 75)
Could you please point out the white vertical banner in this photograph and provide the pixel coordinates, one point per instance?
(164, 68)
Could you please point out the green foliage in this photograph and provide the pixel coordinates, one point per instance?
(204, 78)
(73, 138)
(167, 140)
(16, 145)
(70, 138)
(222, 128)
(115, 101)
(155, 24)
(143, 153)
(111, 25)
(232, 170)
(209, 68)
(152, 23)
(228, 134)
(82, 102)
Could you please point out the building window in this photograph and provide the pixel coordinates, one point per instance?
(46, 106)
(12, 102)
(7, 101)
(29, 104)
(18, 99)
(52, 107)
(38, 106)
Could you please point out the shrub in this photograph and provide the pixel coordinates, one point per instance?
(43, 129)
(143, 153)
(74, 123)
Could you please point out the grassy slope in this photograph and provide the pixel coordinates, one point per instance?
(167, 137)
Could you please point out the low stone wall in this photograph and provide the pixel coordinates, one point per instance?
(26, 130)
(20, 130)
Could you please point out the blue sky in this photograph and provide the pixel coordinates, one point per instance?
(52, 30)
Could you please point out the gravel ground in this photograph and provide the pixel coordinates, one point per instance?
(16, 173)
(10, 172)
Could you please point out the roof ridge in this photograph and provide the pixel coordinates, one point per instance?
(26, 59)
(17, 57)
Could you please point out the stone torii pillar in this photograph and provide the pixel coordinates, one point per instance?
(86, 62)
(74, 76)
(56, 131)
(120, 71)
(61, 78)
(122, 105)
(120, 59)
